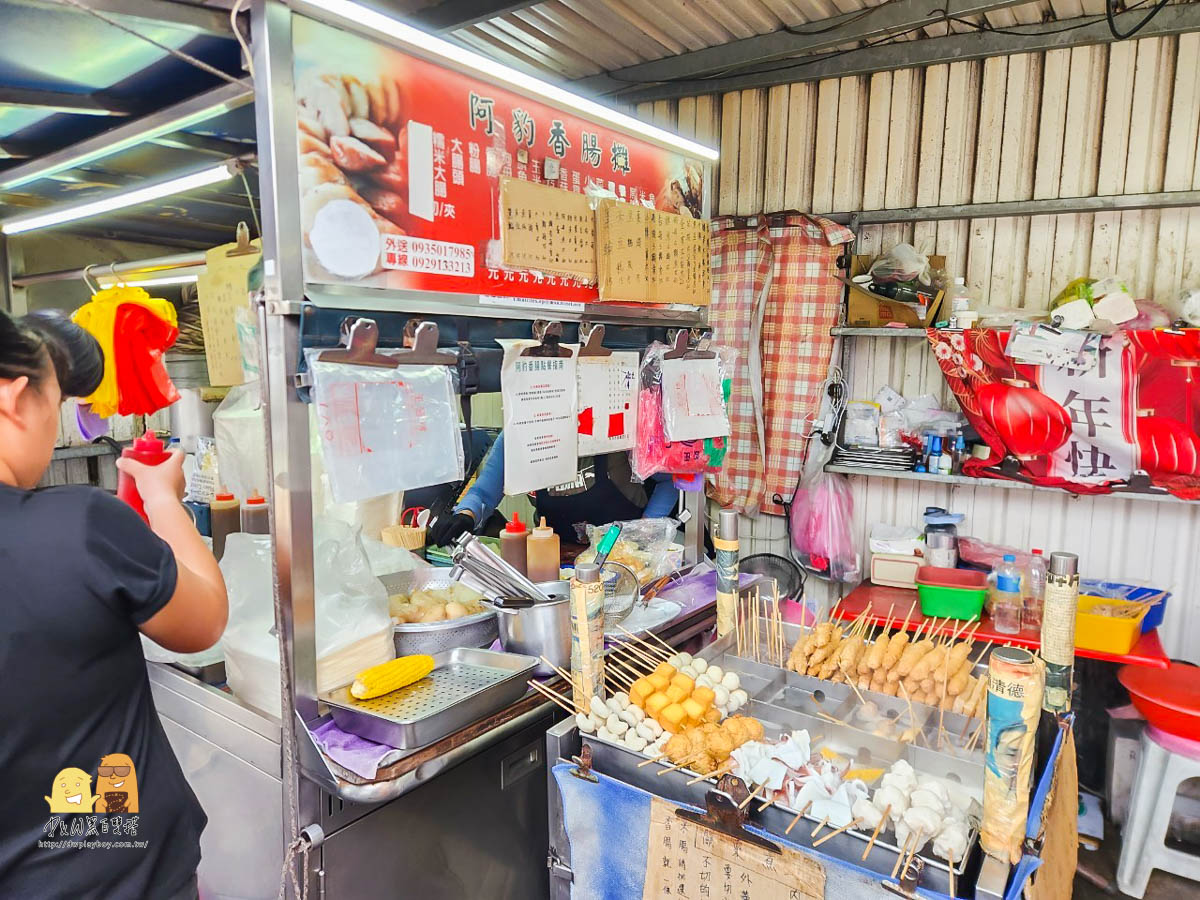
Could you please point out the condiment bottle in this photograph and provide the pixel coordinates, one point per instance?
(587, 635)
(149, 451)
(512, 545)
(224, 520)
(544, 559)
(255, 517)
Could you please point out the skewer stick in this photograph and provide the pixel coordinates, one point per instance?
(757, 624)
(614, 671)
(819, 841)
(971, 744)
(878, 828)
(753, 793)
(853, 686)
(826, 715)
(637, 653)
(908, 615)
(565, 676)
(555, 696)
(950, 869)
(680, 765)
(920, 842)
(900, 856)
(766, 803)
(670, 650)
(630, 666)
(833, 609)
(653, 759)
(716, 773)
(820, 825)
(656, 651)
(792, 824)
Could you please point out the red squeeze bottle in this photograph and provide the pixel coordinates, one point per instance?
(149, 451)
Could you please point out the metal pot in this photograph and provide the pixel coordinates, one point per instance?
(543, 629)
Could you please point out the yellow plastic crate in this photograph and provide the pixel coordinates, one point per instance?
(1108, 634)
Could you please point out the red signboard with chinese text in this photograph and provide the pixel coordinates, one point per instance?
(401, 161)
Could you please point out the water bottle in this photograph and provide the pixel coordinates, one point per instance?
(1034, 590)
(1006, 596)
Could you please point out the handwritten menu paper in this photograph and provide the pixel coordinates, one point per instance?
(539, 396)
(623, 243)
(678, 263)
(608, 387)
(687, 861)
(546, 229)
(221, 290)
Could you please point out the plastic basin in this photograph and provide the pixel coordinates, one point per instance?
(957, 593)
(1169, 698)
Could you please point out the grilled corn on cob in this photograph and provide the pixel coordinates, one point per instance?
(389, 676)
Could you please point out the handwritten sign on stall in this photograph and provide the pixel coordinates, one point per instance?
(623, 245)
(678, 265)
(546, 229)
(648, 256)
(690, 862)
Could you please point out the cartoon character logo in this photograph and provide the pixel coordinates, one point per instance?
(71, 792)
(116, 784)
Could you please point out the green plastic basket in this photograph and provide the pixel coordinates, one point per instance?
(955, 602)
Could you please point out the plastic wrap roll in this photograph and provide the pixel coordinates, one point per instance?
(1016, 680)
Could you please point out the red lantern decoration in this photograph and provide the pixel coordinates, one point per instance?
(1029, 423)
(1168, 446)
(1179, 346)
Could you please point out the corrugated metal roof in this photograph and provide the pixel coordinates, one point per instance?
(575, 38)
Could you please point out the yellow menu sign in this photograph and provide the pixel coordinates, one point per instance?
(687, 861)
(223, 289)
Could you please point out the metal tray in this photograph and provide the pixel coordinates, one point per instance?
(213, 673)
(465, 685)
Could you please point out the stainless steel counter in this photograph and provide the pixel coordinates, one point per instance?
(478, 832)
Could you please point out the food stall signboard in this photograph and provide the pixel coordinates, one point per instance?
(401, 162)
(684, 859)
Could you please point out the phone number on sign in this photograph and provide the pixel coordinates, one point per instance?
(412, 254)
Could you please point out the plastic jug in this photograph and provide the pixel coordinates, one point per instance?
(148, 450)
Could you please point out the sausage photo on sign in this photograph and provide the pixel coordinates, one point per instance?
(353, 171)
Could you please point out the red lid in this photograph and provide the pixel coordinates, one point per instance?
(516, 526)
(1037, 552)
(256, 499)
(148, 443)
(223, 496)
(1176, 687)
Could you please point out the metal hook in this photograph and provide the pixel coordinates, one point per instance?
(112, 270)
(93, 286)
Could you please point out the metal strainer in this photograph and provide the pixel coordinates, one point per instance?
(621, 590)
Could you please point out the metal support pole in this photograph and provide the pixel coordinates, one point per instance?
(289, 461)
(12, 298)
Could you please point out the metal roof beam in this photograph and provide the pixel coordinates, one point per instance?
(168, 120)
(450, 15)
(1172, 20)
(872, 22)
(202, 20)
(62, 101)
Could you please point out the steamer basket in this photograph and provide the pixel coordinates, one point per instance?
(479, 630)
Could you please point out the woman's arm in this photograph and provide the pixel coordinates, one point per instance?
(194, 618)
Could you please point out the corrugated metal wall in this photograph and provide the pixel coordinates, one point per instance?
(1122, 118)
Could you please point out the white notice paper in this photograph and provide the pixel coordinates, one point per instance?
(693, 407)
(420, 170)
(608, 387)
(540, 442)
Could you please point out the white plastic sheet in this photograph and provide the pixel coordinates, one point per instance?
(385, 430)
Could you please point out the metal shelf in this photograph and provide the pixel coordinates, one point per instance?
(850, 331)
(968, 481)
(84, 450)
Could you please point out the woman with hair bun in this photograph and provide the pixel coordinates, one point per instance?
(82, 575)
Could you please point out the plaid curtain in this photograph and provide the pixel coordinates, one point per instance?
(775, 297)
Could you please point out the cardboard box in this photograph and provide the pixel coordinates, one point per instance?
(866, 309)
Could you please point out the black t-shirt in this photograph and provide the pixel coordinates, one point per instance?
(79, 571)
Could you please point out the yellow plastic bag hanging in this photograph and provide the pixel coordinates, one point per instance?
(97, 317)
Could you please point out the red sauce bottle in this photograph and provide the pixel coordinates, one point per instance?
(148, 450)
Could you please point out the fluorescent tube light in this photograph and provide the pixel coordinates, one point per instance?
(172, 124)
(425, 43)
(121, 200)
(109, 281)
